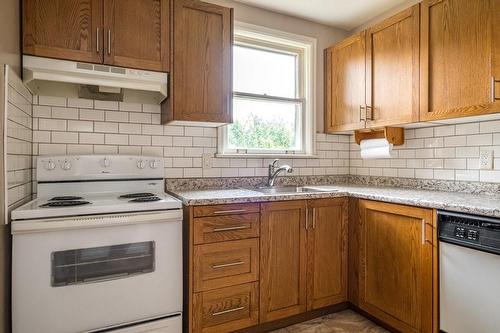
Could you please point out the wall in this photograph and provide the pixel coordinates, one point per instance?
(9, 54)
(80, 126)
(448, 152)
(19, 142)
(325, 36)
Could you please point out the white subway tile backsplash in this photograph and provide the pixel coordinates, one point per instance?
(80, 126)
(81, 103)
(116, 139)
(106, 105)
(91, 114)
(73, 125)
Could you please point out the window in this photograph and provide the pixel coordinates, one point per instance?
(273, 105)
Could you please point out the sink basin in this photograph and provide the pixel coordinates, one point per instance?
(286, 189)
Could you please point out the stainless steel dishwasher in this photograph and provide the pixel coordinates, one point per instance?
(469, 268)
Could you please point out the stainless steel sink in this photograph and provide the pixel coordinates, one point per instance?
(286, 189)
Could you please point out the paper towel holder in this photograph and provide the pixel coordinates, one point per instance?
(395, 135)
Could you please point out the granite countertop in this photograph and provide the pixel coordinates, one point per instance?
(488, 205)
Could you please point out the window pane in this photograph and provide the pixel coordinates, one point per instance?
(261, 72)
(265, 125)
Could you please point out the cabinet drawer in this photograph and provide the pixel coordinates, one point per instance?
(223, 228)
(225, 264)
(226, 309)
(218, 210)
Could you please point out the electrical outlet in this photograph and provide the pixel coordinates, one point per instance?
(486, 159)
(207, 160)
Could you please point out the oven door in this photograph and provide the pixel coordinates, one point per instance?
(89, 273)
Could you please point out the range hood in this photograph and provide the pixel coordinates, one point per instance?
(38, 71)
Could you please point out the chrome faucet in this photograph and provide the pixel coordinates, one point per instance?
(274, 170)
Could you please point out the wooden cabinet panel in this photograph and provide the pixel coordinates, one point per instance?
(327, 252)
(345, 85)
(392, 69)
(64, 29)
(282, 260)
(201, 87)
(227, 309)
(457, 48)
(396, 267)
(137, 34)
(229, 209)
(496, 52)
(225, 228)
(225, 264)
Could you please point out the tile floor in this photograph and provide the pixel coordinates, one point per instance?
(341, 322)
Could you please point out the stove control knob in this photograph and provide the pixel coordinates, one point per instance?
(50, 165)
(105, 162)
(141, 164)
(66, 165)
(153, 164)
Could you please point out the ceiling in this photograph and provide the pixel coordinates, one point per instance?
(344, 14)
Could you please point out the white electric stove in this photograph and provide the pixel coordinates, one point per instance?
(100, 249)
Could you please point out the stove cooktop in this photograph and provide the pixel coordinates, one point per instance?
(95, 204)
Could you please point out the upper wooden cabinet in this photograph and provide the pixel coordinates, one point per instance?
(460, 74)
(201, 76)
(64, 29)
(136, 34)
(345, 85)
(123, 33)
(326, 252)
(396, 264)
(283, 260)
(372, 77)
(392, 70)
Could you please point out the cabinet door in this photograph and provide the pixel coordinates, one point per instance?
(201, 86)
(64, 29)
(392, 69)
(396, 267)
(282, 260)
(458, 44)
(345, 85)
(327, 252)
(137, 33)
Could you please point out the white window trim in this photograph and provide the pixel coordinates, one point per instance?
(308, 45)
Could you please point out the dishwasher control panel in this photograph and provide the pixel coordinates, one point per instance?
(474, 231)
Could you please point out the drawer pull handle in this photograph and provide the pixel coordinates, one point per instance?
(237, 263)
(228, 311)
(230, 211)
(236, 227)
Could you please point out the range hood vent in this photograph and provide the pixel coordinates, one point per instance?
(94, 80)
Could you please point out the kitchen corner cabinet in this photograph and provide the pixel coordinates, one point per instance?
(303, 256)
(396, 263)
(460, 58)
(345, 78)
(125, 33)
(201, 74)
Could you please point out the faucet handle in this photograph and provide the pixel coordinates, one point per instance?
(275, 162)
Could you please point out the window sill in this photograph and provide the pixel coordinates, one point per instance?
(270, 156)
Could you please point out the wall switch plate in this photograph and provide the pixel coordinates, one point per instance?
(207, 160)
(486, 160)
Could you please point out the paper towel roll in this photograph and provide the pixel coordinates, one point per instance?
(375, 148)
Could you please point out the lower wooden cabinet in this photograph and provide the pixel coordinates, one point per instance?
(227, 309)
(396, 264)
(303, 256)
(327, 252)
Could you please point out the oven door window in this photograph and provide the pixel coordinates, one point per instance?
(102, 263)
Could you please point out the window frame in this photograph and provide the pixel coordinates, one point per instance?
(258, 37)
